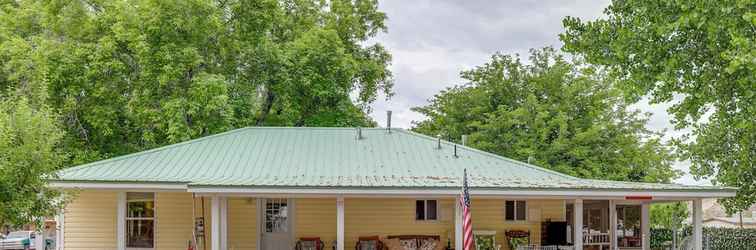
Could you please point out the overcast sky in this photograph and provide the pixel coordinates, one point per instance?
(432, 41)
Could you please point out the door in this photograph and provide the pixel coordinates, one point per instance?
(277, 228)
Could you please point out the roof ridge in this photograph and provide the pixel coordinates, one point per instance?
(161, 148)
(491, 155)
(312, 128)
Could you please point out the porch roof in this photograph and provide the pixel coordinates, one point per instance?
(334, 157)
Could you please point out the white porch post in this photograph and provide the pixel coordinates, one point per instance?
(340, 223)
(60, 224)
(645, 226)
(215, 223)
(578, 221)
(697, 224)
(612, 225)
(121, 222)
(223, 223)
(457, 225)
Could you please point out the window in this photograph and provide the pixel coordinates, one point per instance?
(276, 216)
(426, 210)
(140, 220)
(515, 210)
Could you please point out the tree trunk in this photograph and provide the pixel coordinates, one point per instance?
(741, 219)
(267, 105)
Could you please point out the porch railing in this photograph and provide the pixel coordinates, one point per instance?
(596, 238)
(536, 247)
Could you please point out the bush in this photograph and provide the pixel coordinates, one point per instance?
(714, 238)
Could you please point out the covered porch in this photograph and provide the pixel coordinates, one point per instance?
(340, 221)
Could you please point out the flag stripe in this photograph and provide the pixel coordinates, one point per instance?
(464, 200)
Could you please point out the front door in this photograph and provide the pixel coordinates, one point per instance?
(277, 224)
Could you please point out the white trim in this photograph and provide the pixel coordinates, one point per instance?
(577, 210)
(697, 224)
(60, 235)
(458, 224)
(224, 223)
(447, 193)
(131, 187)
(215, 223)
(612, 225)
(121, 222)
(340, 223)
(397, 192)
(645, 226)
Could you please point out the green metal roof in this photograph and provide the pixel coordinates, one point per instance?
(331, 157)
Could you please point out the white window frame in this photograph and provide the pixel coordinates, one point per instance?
(425, 212)
(514, 213)
(123, 217)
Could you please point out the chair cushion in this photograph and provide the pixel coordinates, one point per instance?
(409, 244)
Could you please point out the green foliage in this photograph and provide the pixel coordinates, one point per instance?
(669, 215)
(130, 75)
(669, 218)
(714, 238)
(552, 112)
(29, 137)
(700, 54)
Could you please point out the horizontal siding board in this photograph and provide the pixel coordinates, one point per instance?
(90, 221)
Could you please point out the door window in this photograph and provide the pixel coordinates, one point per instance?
(276, 216)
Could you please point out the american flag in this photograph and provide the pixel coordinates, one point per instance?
(468, 241)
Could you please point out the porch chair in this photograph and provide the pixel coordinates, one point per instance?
(485, 240)
(369, 243)
(309, 243)
(516, 238)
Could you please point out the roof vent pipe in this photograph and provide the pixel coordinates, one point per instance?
(359, 133)
(464, 140)
(455, 151)
(438, 139)
(388, 121)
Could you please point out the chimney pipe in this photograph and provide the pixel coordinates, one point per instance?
(464, 140)
(455, 151)
(388, 121)
(438, 140)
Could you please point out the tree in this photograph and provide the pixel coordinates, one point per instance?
(126, 76)
(670, 216)
(552, 112)
(700, 55)
(29, 137)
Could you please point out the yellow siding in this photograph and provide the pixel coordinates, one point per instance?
(174, 220)
(383, 217)
(90, 221)
(316, 218)
(489, 215)
(242, 224)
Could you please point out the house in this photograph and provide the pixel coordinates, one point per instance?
(267, 187)
(714, 215)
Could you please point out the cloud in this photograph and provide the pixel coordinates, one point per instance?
(432, 41)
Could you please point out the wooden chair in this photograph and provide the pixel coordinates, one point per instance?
(369, 243)
(309, 243)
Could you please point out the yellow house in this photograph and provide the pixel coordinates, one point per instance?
(272, 188)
